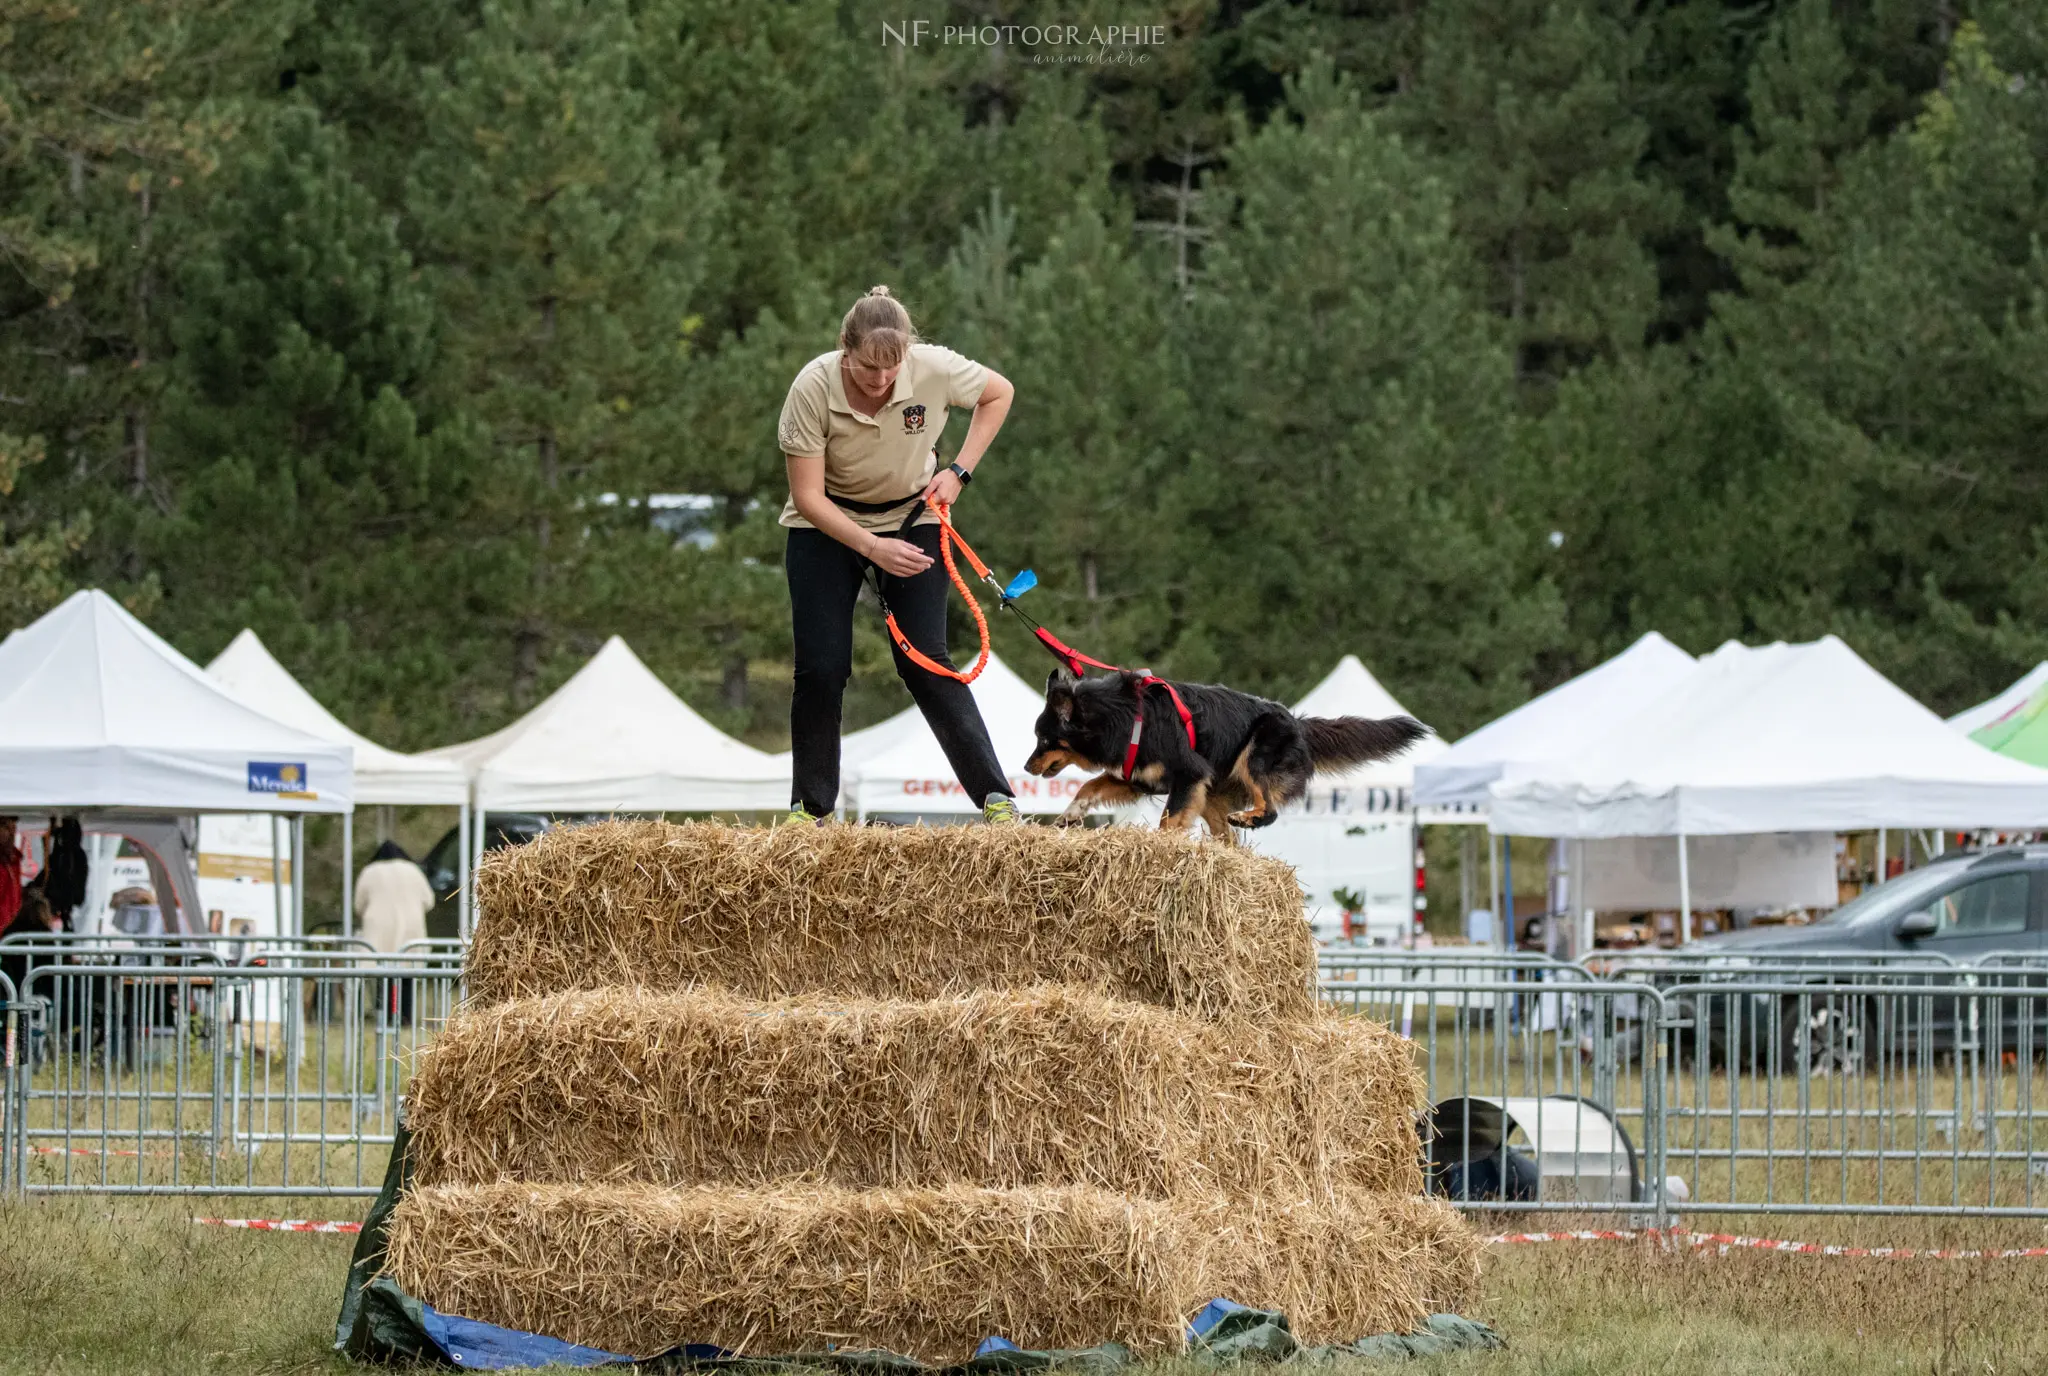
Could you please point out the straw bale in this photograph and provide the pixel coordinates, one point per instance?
(913, 912)
(637, 1269)
(1326, 1263)
(1046, 1086)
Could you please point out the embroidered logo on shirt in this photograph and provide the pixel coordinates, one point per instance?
(913, 420)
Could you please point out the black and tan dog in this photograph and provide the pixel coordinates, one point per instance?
(1250, 756)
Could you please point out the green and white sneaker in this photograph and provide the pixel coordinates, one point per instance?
(798, 817)
(1000, 810)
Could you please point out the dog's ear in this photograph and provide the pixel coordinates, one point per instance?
(1059, 693)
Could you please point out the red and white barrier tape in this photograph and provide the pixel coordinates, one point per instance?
(285, 1225)
(1727, 1242)
(1722, 1242)
(188, 1152)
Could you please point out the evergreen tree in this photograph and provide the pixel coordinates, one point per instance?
(1355, 407)
(1922, 334)
(307, 492)
(1810, 105)
(1074, 486)
(563, 250)
(31, 561)
(112, 120)
(1532, 106)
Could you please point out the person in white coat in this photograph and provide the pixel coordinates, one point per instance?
(392, 899)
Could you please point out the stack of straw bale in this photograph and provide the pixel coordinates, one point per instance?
(783, 1090)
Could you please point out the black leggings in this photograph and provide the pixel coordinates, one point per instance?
(824, 581)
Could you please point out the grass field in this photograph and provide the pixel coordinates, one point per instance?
(100, 1285)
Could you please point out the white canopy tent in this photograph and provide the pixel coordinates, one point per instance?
(98, 712)
(1991, 709)
(897, 767)
(615, 739)
(1561, 723)
(1776, 738)
(247, 669)
(1781, 738)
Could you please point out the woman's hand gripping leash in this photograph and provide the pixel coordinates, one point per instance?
(949, 539)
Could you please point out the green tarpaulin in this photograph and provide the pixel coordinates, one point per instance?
(2022, 733)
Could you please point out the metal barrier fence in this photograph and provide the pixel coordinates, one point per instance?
(9, 1118)
(1787, 1086)
(1832, 1089)
(154, 1077)
(1872, 1097)
(237, 950)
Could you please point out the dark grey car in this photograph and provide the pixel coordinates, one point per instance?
(1963, 907)
(1966, 909)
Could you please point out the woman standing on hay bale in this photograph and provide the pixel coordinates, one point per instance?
(860, 434)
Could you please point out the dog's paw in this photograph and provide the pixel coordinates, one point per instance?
(1249, 819)
(1071, 819)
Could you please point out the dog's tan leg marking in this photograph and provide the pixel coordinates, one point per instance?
(1198, 801)
(1102, 789)
(1256, 805)
(1217, 815)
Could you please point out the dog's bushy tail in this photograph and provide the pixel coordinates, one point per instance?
(1338, 742)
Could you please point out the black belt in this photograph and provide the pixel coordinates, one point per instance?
(868, 508)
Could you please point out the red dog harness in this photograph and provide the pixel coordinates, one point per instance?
(1074, 660)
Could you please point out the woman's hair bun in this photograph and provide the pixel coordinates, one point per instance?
(877, 331)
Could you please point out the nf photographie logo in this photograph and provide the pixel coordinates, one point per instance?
(1050, 43)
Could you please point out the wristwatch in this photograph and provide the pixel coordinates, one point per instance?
(965, 475)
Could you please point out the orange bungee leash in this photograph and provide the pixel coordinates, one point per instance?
(948, 538)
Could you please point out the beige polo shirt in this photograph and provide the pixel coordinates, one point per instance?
(888, 455)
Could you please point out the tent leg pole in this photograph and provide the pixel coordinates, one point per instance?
(1581, 913)
(479, 825)
(1507, 889)
(1500, 918)
(1684, 894)
(1878, 878)
(1468, 862)
(348, 874)
(462, 914)
(276, 875)
(298, 874)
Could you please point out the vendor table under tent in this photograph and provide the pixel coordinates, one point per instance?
(247, 669)
(613, 739)
(98, 714)
(1778, 738)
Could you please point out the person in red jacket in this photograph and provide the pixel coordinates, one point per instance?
(10, 873)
